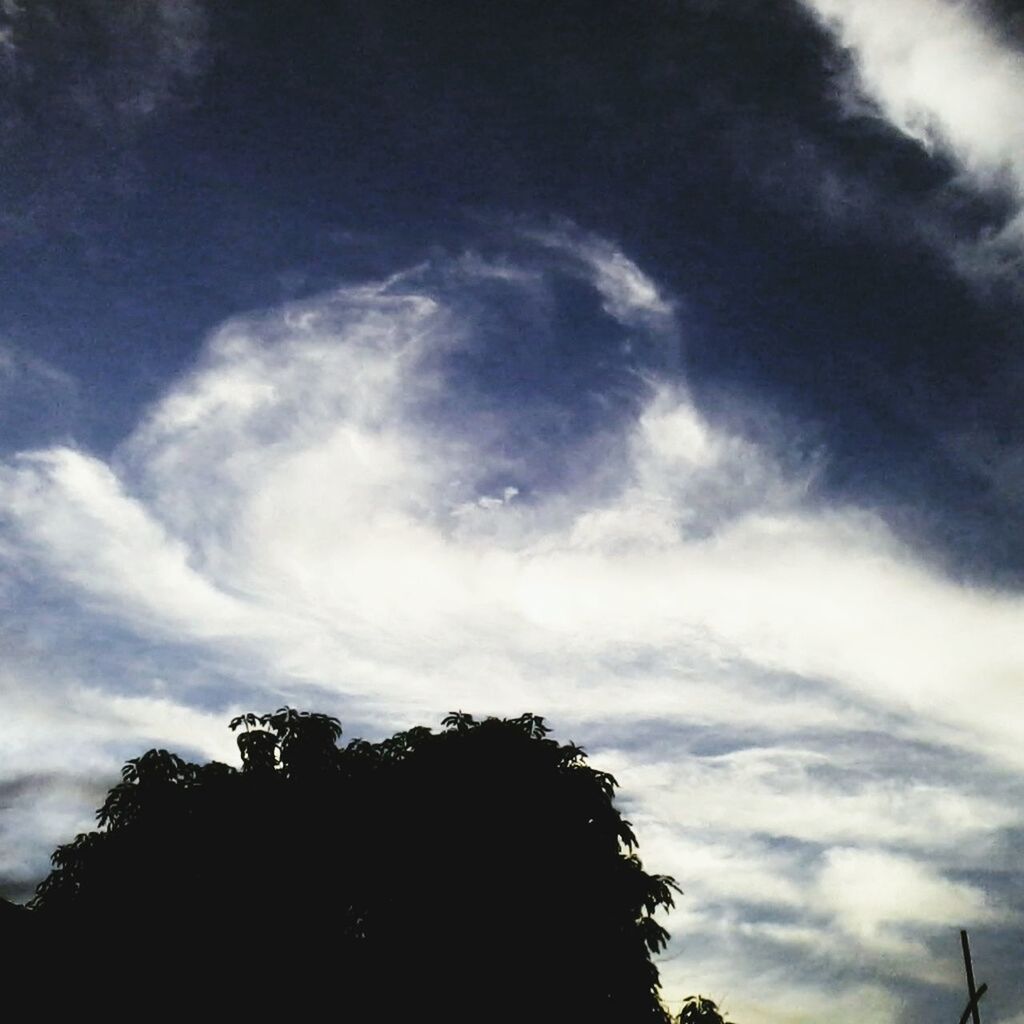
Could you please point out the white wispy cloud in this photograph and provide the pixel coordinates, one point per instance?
(18, 368)
(943, 73)
(868, 889)
(96, 537)
(626, 292)
(319, 498)
(950, 76)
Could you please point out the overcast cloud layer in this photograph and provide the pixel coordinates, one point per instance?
(652, 368)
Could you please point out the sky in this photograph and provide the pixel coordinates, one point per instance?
(653, 367)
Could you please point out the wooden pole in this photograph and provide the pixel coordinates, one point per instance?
(982, 989)
(971, 991)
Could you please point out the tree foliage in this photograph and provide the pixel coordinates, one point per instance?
(698, 1010)
(481, 872)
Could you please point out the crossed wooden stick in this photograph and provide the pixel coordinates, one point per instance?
(974, 994)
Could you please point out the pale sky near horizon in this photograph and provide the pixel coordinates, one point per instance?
(651, 367)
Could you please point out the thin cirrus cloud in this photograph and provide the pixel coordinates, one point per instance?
(37, 400)
(329, 510)
(103, 64)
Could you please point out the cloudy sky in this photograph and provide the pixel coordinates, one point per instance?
(654, 367)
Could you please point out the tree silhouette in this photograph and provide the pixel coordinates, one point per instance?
(482, 872)
(698, 1010)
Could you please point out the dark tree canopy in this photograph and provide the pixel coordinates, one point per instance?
(479, 873)
(698, 1010)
